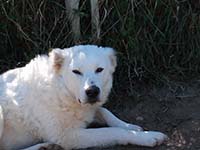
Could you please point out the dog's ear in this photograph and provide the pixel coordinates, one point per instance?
(113, 58)
(57, 59)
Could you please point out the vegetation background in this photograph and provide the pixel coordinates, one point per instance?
(157, 40)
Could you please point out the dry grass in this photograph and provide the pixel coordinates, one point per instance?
(156, 40)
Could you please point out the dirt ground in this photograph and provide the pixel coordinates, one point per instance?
(173, 110)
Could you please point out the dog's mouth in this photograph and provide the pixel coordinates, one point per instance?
(91, 102)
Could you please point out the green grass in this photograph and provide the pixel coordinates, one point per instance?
(157, 40)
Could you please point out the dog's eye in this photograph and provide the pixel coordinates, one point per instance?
(98, 70)
(77, 72)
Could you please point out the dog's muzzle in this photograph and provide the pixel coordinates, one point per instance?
(92, 93)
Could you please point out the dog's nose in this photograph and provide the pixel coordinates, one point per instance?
(92, 92)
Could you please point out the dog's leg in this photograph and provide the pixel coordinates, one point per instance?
(105, 116)
(44, 146)
(85, 138)
(37, 147)
(1, 121)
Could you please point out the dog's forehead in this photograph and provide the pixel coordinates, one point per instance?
(85, 51)
(89, 57)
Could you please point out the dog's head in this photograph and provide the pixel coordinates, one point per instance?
(86, 71)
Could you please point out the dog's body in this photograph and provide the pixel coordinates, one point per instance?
(53, 99)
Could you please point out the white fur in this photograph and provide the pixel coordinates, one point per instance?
(46, 101)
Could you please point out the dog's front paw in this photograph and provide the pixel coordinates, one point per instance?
(134, 127)
(148, 138)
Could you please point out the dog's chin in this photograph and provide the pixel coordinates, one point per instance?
(86, 102)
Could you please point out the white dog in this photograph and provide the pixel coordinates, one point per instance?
(53, 99)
